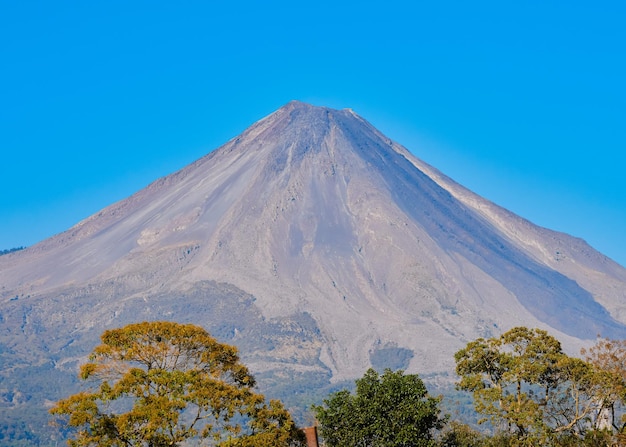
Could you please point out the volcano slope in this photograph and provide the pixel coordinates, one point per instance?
(317, 246)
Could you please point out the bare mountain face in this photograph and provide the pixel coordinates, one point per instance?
(317, 246)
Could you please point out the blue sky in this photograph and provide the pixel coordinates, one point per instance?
(522, 102)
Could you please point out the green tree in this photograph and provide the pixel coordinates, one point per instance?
(525, 385)
(161, 383)
(390, 410)
(461, 435)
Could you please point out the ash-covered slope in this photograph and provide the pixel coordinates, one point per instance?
(316, 245)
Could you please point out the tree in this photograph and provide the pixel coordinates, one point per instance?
(161, 383)
(461, 435)
(609, 356)
(391, 410)
(524, 384)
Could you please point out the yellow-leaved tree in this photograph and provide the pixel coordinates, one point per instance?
(160, 383)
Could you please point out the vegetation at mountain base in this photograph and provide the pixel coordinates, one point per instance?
(610, 356)
(457, 434)
(162, 383)
(528, 391)
(21, 422)
(389, 410)
(534, 394)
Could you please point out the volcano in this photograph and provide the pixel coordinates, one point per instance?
(317, 246)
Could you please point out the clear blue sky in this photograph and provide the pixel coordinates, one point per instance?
(523, 102)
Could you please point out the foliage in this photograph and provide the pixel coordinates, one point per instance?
(391, 410)
(609, 356)
(161, 383)
(461, 435)
(525, 385)
(499, 370)
(21, 422)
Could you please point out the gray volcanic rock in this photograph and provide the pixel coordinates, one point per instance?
(317, 246)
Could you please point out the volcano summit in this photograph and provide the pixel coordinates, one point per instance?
(317, 246)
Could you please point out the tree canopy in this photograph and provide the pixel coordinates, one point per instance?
(390, 410)
(609, 356)
(161, 383)
(526, 385)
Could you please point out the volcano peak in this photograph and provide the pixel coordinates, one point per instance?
(317, 246)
